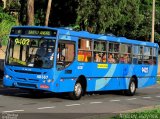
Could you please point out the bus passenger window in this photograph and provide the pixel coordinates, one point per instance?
(84, 50)
(99, 51)
(154, 52)
(125, 54)
(113, 52)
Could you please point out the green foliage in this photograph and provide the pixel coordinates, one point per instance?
(148, 114)
(6, 22)
(132, 19)
(128, 18)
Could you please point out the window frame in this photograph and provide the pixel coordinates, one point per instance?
(113, 51)
(104, 52)
(90, 50)
(74, 57)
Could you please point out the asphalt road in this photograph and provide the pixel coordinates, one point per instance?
(22, 105)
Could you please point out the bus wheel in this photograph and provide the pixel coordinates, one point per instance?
(77, 93)
(132, 88)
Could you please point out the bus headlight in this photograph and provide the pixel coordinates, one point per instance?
(8, 77)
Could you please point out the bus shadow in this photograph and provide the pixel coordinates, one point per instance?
(46, 95)
(27, 94)
(104, 93)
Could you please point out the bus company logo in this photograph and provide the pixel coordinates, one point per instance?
(145, 69)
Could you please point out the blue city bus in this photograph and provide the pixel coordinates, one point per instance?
(75, 62)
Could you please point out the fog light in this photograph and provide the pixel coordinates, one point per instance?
(49, 80)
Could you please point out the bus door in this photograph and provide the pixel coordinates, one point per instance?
(65, 66)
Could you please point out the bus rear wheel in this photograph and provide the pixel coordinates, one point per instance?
(132, 88)
(77, 92)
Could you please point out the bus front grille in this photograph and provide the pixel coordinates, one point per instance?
(27, 72)
(25, 79)
(27, 85)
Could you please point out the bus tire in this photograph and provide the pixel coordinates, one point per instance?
(131, 88)
(77, 92)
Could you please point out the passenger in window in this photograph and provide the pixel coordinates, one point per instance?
(151, 61)
(111, 59)
(104, 58)
(121, 60)
(97, 58)
(41, 51)
(126, 58)
(116, 57)
(50, 54)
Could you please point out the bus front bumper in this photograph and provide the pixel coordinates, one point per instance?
(9, 82)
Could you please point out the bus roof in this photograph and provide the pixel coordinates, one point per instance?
(85, 34)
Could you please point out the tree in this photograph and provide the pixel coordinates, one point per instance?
(110, 16)
(131, 19)
(6, 22)
(48, 12)
(30, 12)
(4, 4)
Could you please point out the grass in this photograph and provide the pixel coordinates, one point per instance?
(147, 114)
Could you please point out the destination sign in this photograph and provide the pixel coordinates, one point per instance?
(34, 32)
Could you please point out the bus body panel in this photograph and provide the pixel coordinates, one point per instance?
(99, 76)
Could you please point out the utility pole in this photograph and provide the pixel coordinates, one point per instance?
(153, 20)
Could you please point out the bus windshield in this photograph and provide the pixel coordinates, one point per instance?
(30, 52)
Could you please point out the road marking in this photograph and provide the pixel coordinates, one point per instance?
(13, 111)
(46, 107)
(114, 100)
(95, 102)
(72, 105)
(146, 97)
(132, 99)
(158, 96)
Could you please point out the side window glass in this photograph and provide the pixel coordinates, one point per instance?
(137, 54)
(125, 55)
(154, 56)
(147, 55)
(113, 52)
(84, 50)
(99, 52)
(65, 54)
